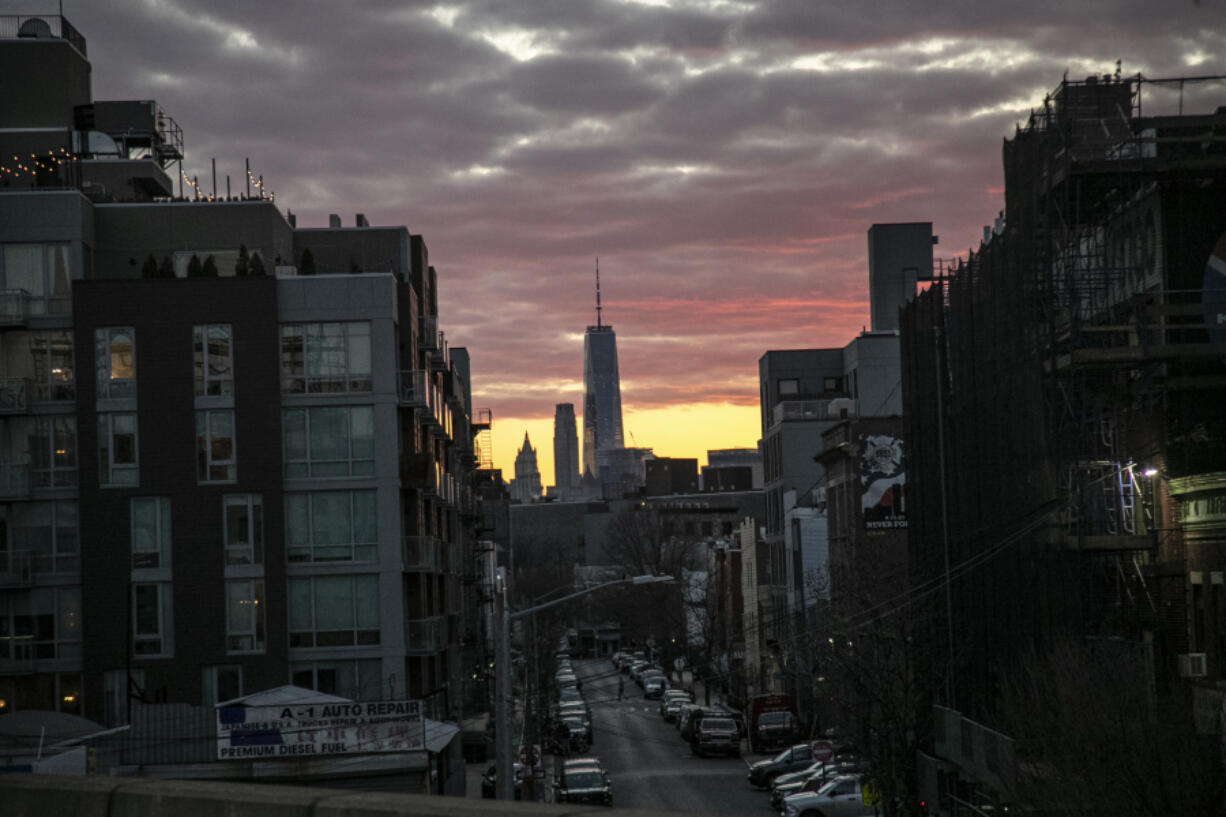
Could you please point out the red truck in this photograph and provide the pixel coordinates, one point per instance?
(772, 722)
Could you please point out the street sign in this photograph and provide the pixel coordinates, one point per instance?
(530, 755)
(822, 750)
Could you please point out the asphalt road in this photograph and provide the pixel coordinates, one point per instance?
(649, 764)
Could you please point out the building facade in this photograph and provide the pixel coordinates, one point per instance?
(565, 451)
(222, 473)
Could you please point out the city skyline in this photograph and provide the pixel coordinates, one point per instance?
(725, 164)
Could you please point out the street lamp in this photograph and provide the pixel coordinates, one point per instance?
(502, 690)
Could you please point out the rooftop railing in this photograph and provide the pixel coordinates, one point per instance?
(41, 27)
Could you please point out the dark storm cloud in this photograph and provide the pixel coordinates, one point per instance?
(725, 160)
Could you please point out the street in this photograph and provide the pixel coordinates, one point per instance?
(648, 762)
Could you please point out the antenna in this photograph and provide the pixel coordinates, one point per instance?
(598, 292)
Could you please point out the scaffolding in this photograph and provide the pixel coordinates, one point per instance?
(1069, 360)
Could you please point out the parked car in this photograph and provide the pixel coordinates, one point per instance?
(792, 759)
(583, 782)
(654, 685)
(811, 778)
(841, 797)
(716, 735)
(581, 712)
(671, 703)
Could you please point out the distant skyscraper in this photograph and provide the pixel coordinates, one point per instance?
(602, 393)
(565, 449)
(526, 487)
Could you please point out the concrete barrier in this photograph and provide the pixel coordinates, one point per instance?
(33, 795)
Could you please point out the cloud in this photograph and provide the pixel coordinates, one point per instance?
(724, 158)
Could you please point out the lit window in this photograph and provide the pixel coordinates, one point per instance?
(52, 441)
(117, 460)
(115, 362)
(245, 615)
(43, 623)
(215, 460)
(213, 359)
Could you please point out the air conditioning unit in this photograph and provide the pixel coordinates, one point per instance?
(1192, 665)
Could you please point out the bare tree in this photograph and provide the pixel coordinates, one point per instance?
(1094, 734)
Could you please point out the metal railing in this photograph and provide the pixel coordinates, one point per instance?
(41, 26)
(422, 554)
(15, 480)
(414, 389)
(14, 309)
(16, 568)
(802, 410)
(14, 395)
(425, 636)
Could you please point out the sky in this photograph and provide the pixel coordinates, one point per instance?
(724, 160)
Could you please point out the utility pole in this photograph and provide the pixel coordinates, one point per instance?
(504, 784)
(503, 767)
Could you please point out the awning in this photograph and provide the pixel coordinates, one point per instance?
(439, 734)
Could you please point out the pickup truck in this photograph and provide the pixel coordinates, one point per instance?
(792, 759)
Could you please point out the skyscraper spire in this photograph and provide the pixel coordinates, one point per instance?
(598, 292)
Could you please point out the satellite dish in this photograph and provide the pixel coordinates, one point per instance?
(35, 27)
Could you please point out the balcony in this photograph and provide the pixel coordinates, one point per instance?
(792, 410)
(414, 389)
(15, 480)
(428, 333)
(419, 471)
(422, 554)
(440, 360)
(425, 636)
(14, 307)
(14, 395)
(15, 569)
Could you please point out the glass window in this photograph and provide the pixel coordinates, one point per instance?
(244, 521)
(150, 532)
(213, 356)
(356, 680)
(245, 615)
(224, 683)
(48, 532)
(329, 442)
(789, 386)
(322, 358)
(115, 361)
(44, 360)
(327, 526)
(334, 611)
(152, 620)
(41, 272)
(215, 460)
(117, 459)
(41, 623)
(52, 442)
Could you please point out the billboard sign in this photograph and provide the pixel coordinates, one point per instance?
(883, 482)
(309, 730)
